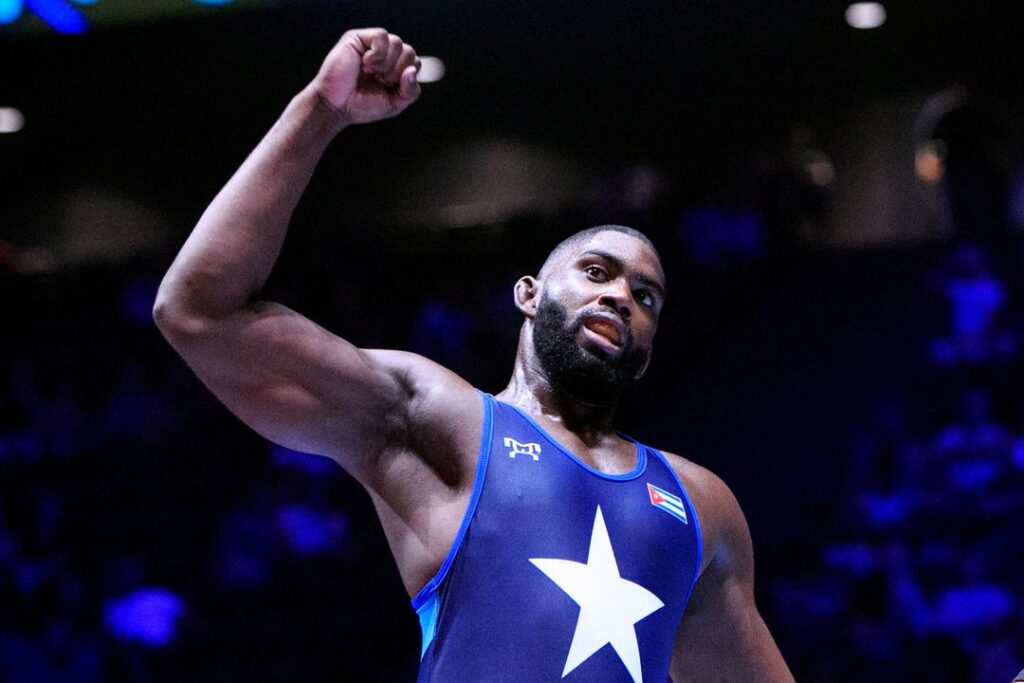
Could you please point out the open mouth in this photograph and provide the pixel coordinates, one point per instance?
(606, 330)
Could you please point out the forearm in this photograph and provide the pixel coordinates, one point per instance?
(231, 251)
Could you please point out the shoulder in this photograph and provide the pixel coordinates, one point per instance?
(724, 532)
(721, 626)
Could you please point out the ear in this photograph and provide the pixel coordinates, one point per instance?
(527, 295)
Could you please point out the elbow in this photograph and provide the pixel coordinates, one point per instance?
(161, 309)
(171, 323)
(165, 310)
(163, 317)
(172, 318)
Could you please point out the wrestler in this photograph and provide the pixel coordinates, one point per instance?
(537, 542)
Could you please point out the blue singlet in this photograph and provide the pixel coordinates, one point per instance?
(559, 570)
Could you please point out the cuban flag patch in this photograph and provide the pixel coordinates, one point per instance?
(663, 500)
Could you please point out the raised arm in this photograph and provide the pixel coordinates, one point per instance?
(285, 376)
(722, 637)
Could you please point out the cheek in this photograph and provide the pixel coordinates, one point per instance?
(564, 286)
(566, 294)
(643, 333)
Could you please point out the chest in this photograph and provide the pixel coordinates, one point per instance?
(606, 457)
(538, 496)
(567, 558)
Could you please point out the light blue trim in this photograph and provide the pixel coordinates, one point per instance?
(641, 454)
(427, 613)
(696, 521)
(481, 469)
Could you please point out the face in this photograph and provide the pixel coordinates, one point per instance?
(597, 315)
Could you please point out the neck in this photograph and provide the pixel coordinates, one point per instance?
(530, 389)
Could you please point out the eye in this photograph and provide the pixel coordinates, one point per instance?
(595, 272)
(645, 297)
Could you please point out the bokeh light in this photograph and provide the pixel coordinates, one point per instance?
(11, 120)
(10, 10)
(865, 15)
(431, 70)
(929, 161)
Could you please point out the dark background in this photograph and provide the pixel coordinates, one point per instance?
(803, 361)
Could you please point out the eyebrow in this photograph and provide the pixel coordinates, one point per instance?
(617, 262)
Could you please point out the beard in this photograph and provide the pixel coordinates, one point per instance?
(585, 374)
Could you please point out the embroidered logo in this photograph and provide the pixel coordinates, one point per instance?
(663, 500)
(530, 449)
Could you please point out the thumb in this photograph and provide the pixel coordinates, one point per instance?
(409, 87)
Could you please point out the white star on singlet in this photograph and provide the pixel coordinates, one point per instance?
(609, 604)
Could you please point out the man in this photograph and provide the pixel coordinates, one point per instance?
(538, 543)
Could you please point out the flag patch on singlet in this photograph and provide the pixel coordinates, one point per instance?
(663, 500)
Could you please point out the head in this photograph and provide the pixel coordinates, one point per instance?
(592, 311)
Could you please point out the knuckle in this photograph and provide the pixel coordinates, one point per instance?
(367, 33)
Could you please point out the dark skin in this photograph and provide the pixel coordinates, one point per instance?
(406, 428)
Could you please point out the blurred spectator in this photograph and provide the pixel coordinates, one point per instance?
(974, 449)
(244, 551)
(139, 612)
(976, 300)
(148, 615)
(306, 523)
(308, 530)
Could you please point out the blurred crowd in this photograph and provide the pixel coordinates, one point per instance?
(911, 572)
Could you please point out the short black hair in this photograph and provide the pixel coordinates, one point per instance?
(582, 235)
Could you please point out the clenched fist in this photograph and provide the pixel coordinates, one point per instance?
(369, 75)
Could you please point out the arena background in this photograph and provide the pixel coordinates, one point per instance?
(839, 212)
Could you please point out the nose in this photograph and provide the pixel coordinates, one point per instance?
(617, 297)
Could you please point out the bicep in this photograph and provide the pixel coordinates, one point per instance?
(722, 636)
(294, 382)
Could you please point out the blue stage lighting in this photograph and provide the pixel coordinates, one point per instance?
(212, 2)
(60, 16)
(10, 10)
